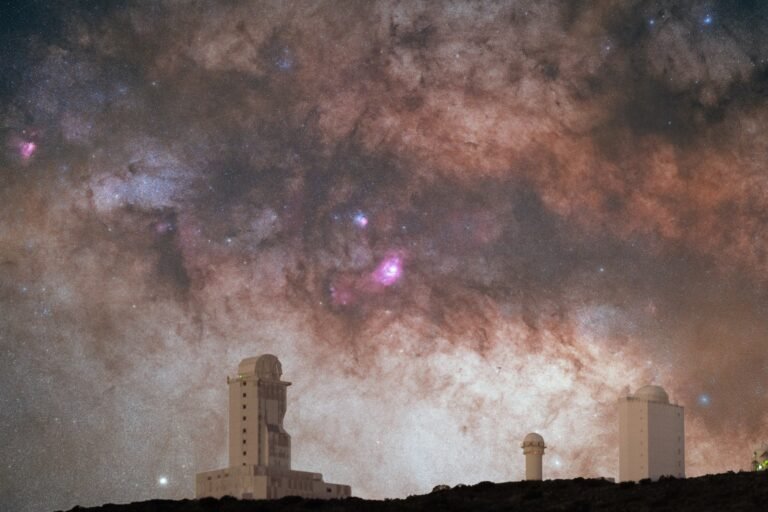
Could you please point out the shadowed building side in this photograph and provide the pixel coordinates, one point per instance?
(259, 446)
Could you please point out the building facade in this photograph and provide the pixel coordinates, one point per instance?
(760, 458)
(259, 446)
(651, 436)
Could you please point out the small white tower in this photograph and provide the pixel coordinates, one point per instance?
(533, 449)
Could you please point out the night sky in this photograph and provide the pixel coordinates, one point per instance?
(454, 223)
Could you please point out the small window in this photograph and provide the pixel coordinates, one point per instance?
(243, 383)
(209, 478)
(245, 453)
(243, 418)
(244, 394)
(243, 431)
(243, 406)
(243, 441)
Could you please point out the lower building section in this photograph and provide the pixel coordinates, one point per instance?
(760, 458)
(260, 482)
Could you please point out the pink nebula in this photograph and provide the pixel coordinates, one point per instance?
(27, 149)
(389, 270)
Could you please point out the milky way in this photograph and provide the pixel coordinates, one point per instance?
(454, 223)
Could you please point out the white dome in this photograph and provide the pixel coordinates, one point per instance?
(652, 393)
(533, 438)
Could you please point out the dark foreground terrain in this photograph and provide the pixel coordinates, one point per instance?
(731, 491)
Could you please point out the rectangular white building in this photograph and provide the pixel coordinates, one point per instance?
(651, 436)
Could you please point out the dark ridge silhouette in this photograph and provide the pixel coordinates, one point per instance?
(723, 492)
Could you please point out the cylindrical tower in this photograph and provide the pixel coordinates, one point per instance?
(533, 449)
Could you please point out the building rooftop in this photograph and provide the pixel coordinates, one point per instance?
(265, 367)
(652, 393)
(533, 438)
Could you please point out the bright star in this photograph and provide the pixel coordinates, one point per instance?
(162, 481)
(708, 19)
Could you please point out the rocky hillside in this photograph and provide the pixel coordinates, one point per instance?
(724, 492)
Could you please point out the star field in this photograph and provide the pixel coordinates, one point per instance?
(454, 224)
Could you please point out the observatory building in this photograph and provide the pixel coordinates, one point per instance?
(760, 458)
(533, 449)
(259, 446)
(651, 436)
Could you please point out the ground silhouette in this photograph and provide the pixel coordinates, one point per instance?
(723, 492)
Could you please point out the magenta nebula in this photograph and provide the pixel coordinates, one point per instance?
(27, 149)
(389, 271)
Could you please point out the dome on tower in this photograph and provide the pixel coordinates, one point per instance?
(652, 393)
(533, 439)
(265, 367)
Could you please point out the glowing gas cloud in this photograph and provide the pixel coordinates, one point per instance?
(389, 271)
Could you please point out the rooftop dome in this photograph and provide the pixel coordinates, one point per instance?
(533, 438)
(652, 393)
(265, 367)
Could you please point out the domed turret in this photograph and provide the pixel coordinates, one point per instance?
(652, 393)
(266, 367)
(533, 439)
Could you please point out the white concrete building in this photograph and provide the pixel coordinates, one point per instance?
(533, 449)
(651, 436)
(259, 446)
